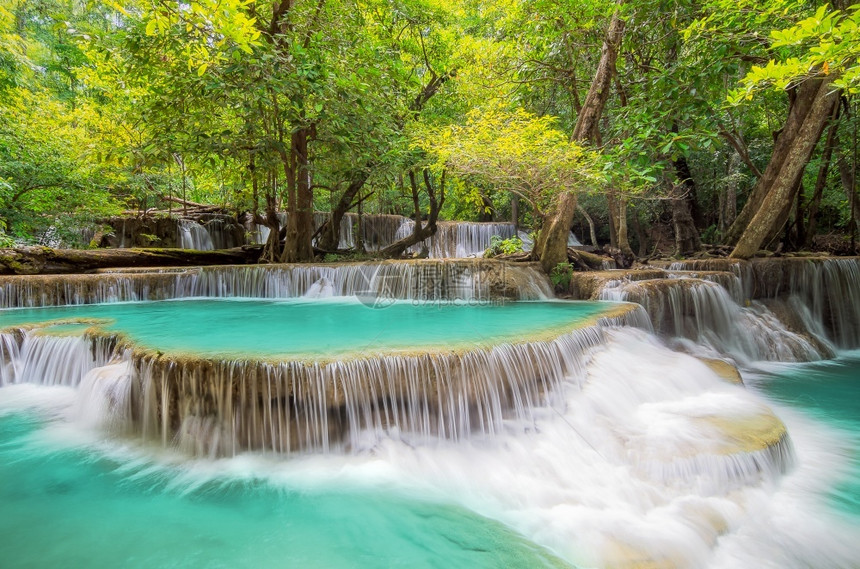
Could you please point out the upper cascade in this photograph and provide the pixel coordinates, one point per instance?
(794, 309)
(373, 232)
(426, 280)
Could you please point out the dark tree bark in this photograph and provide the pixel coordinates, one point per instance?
(300, 200)
(685, 209)
(801, 103)
(551, 247)
(591, 233)
(846, 176)
(821, 180)
(330, 234)
(420, 231)
(640, 235)
(777, 202)
(729, 196)
(686, 236)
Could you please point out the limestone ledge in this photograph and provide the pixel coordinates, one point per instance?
(228, 405)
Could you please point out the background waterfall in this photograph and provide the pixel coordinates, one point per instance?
(477, 279)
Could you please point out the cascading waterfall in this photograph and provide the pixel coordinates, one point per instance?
(224, 233)
(453, 239)
(192, 235)
(413, 280)
(458, 239)
(221, 407)
(528, 242)
(819, 292)
(705, 313)
(600, 443)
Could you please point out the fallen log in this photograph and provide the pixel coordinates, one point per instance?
(48, 261)
(191, 204)
(584, 260)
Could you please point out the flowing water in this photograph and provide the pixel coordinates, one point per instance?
(615, 451)
(67, 503)
(826, 392)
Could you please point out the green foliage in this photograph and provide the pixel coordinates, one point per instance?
(561, 275)
(512, 151)
(827, 42)
(114, 104)
(499, 246)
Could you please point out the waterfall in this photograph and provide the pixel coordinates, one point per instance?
(601, 443)
(221, 407)
(820, 291)
(224, 233)
(468, 239)
(476, 279)
(528, 242)
(192, 235)
(458, 239)
(704, 312)
(453, 239)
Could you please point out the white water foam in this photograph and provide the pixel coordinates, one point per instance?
(599, 481)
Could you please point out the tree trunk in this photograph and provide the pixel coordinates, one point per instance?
(821, 178)
(686, 237)
(729, 197)
(330, 235)
(591, 233)
(300, 209)
(272, 249)
(551, 246)
(780, 195)
(45, 261)
(640, 235)
(598, 93)
(685, 177)
(420, 232)
(846, 175)
(618, 222)
(804, 96)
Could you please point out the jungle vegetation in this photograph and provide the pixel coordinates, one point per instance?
(665, 125)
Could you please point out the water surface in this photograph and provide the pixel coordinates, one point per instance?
(73, 507)
(333, 327)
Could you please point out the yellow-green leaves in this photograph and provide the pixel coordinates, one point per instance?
(515, 151)
(208, 28)
(827, 42)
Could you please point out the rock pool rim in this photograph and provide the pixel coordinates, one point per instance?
(93, 328)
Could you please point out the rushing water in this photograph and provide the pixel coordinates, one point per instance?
(829, 393)
(600, 484)
(65, 504)
(642, 457)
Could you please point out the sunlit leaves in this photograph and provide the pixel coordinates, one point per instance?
(514, 151)
(827, 42)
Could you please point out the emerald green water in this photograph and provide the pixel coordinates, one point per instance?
(75, 508)
(295, 328)
(829, 391)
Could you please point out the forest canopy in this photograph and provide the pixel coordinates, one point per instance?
(665, 127)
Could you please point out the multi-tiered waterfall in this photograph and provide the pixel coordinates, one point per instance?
(614, 434)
